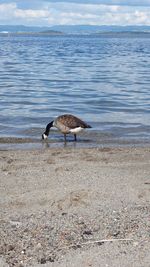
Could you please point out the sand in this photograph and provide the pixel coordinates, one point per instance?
(59, 204)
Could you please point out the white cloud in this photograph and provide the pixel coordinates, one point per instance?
(71, 13)
(98, 14)
(10, 13)
(106, 2)
(7, 7)
(6, 11)
(31, 14)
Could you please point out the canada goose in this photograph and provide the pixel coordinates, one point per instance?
(66, 123)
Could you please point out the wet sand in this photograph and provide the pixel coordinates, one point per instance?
(59, 204)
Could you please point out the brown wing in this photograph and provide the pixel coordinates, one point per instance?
(72, 122)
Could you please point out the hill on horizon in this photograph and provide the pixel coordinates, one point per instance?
(74, 29)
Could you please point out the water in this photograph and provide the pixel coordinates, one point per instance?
(105, 81)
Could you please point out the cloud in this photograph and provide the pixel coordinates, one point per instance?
(33, 4)
(106, 2)
(47, 13)
(6, 11)
(11, 14)
(98, 14)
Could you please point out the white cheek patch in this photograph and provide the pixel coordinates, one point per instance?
(76, 130)
(44, 136)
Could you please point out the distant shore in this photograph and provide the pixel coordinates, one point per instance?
(131, 34)
(30, 33)
(59, 204)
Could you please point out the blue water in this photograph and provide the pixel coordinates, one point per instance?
(105, 81)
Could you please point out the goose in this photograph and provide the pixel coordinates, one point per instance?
(66, 123)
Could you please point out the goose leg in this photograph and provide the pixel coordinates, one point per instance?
(65, 137)
(75, 137)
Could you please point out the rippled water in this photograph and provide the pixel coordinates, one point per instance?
(105, 81)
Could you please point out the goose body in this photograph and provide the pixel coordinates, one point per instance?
(66, 123)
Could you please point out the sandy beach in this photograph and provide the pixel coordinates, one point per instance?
(70, 207)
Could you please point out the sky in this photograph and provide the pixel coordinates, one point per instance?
(74, 12)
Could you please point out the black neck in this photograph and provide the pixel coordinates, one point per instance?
(48, 127)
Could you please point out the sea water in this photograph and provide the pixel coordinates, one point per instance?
(103, 80)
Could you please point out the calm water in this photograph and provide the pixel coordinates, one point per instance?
(105, 81)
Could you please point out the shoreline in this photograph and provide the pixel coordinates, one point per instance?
(56, 199)
(25, 143)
